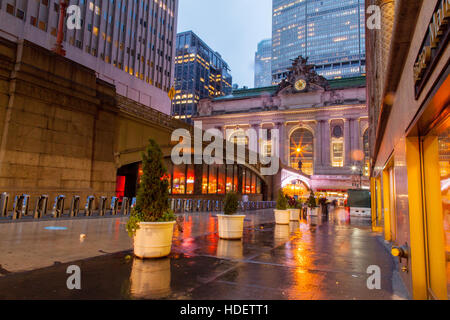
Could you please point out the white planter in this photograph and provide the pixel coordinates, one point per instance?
(282, 216)
(231, 227)
(153, 239)
(294, 214)
(313, 212)
(150, 279)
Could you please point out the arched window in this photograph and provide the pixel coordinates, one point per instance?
(302, 149)
(366, 153)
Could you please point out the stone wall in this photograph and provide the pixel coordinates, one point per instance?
(57, 125)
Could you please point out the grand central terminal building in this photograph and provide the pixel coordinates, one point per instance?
(323, 129)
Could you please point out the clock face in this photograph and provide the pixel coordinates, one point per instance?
(300, 85)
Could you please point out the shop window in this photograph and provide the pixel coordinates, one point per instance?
(248, 177)
(229, 183)
(190, 179)
(205, 179)
(253, 186)
(212, 183)
(444, 169)
(221, 180)
(169, 166)
(179, 179)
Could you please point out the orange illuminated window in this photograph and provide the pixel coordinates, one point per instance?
(190, 179)
(212, 184)
(221, 180)
(205, 179)
(179, 179)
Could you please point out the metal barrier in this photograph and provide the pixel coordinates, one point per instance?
(89, 207)
(102, 206)
(114, 206)
(20, 207)
(40, 209)
(58, 207)
(125, 210)
(74, 206)
(22, 202)
(4, 198)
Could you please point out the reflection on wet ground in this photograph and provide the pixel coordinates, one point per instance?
(314, 259)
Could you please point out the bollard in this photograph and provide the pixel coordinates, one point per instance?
(102, 206)
(89, 207)
(41, 207)
(125, 207)
(58, 207)
(4, 198)
(114, 206)
(74, 206)
(20, 207)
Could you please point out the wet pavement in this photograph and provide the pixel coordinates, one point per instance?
(313, 259)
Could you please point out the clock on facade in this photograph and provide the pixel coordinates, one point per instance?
(300, 85)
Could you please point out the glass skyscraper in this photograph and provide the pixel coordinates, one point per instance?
(263, 64)
(200, 73)
(331, 33)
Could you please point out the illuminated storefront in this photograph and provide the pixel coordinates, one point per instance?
(410, 140)
(196, 180)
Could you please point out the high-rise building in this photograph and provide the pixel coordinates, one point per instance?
(129, 43)
(200, 72)
(330, 33)
(263, 64)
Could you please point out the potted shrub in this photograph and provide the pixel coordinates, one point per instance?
(293, 209)
(312, 205)
(282, 214)
(151, 221)
(231, 226)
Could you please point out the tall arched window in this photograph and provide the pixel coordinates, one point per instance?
(366, 153)
(302, 149)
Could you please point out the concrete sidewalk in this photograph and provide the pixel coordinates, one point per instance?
(317, 259)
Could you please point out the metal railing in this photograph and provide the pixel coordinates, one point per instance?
(205, 205)
(23, 202)
(22, 207)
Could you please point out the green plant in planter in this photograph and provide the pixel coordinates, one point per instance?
(152, 202)
(312, 201)
(282, 202)
(231, 203)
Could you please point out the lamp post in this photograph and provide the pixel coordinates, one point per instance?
(358, 168)
(58, 49)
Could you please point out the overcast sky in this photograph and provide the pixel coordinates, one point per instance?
(231, 27)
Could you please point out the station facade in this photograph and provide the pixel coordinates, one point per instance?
(322, 125)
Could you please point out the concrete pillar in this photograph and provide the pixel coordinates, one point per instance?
(257, 147)
(318, 148)
(347, 143)
(326, 159)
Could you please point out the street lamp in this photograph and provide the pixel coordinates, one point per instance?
(358, 168)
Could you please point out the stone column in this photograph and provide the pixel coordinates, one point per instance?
(283, 142)
(326, 159)
(347, 143)
(318, 151)
(256, 127)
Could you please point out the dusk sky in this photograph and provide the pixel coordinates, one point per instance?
(231, 27)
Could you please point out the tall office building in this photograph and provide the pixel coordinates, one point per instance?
(330, 33)
(263, 64)
(130, 43)
(200, 72)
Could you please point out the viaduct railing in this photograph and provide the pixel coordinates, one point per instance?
(23, 206)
